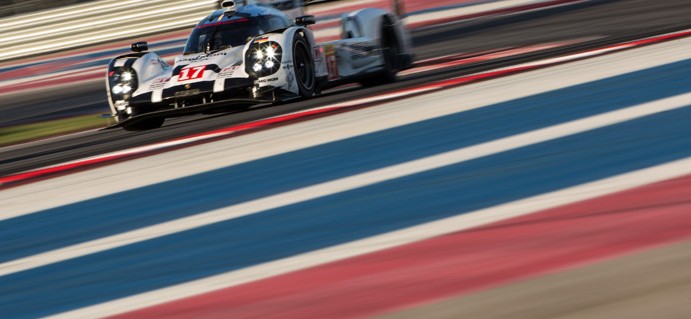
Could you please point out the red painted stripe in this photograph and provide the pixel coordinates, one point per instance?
(7, 181)
(464, 262)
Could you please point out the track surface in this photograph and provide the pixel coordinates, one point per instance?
(370, 211)
(261, 205)
(602, 20)
(645, 285)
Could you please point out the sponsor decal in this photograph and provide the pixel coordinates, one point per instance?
(158, 84)
(158, 61)
(200, 58)
(290, 76)
(187, 93)
(228, 72)
(331, 61)
(318, 54)
(193, 73)
(261, 40)
(290, 79)
(287, 65)
(267, 80)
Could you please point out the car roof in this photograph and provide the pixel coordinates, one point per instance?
(247, 11)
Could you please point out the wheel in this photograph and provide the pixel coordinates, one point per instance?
(304, 67)
(391, 52)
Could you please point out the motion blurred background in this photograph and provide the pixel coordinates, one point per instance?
(14, 7)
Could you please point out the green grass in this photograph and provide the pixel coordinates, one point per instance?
(28, 132)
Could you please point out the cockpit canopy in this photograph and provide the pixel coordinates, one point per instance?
(223, 30)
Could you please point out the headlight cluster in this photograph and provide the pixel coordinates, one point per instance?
(264, 59)
(122, 82)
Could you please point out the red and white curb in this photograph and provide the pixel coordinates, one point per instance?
(12, 180)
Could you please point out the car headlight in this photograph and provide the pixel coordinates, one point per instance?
(264, 59)
(122, 83)
(126, 76)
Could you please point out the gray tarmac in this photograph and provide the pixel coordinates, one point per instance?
(650, 284)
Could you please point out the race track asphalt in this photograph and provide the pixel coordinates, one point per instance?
(650, 284)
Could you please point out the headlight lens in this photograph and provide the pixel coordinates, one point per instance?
(122, 83)
(126, 76)
(264, 59)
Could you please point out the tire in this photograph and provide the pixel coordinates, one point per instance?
(391, 52)
(303, 65)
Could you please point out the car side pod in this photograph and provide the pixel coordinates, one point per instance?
(140, 46)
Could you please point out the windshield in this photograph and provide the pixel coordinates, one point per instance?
(233, 32)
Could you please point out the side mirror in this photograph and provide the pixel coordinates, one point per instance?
(305, 20)
(140, 47)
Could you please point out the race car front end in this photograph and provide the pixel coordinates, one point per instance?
(230, 60)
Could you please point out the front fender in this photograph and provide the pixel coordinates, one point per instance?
(144, 67)
(284, 78)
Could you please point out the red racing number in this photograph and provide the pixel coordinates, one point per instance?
(192, 73)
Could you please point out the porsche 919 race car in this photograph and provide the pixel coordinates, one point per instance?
(248, 54)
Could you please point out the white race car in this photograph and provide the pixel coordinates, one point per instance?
(245, 54)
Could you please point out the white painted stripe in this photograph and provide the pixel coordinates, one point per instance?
(80, 31)
(347, 183)
(386, 241)
(141, 172)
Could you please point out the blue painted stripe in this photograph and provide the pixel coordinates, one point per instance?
(112, 214)
(350, 215)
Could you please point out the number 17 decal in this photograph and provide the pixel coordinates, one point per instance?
(195, 72)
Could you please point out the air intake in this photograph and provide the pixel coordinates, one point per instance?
(229, 5)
